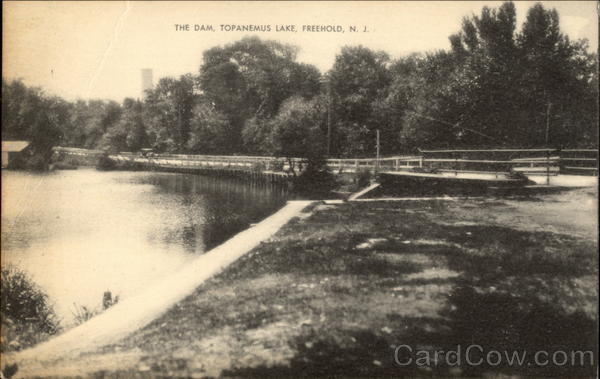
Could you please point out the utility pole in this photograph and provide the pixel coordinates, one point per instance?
(326, 80)
(328, 119)
(547, 146)
(377, 158)
(548, 122)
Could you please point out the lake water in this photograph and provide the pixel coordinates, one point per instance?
(82, 232)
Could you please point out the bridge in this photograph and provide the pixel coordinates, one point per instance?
(540, 165)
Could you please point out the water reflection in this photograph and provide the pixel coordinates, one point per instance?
(80, 233)
(211, 210)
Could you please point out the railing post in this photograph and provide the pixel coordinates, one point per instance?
(547, 167)
(455, 166)
(377, 158)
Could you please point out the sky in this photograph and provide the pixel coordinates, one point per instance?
(96, 50)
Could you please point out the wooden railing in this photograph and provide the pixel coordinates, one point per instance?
(528, 161)
(178, 160)
(77, 151)
(579, 161)
(531, 162)
(396, 163)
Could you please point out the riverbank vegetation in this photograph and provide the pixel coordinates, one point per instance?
(498, 85)
(340, 288)
(25, 311)
(82, 313)
(27, 314)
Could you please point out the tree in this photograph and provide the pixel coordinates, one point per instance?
(76, 131)
(209, 130)
(423, 103)
(359, 79)
(298, 131)
(88, 122)
(129, 133)
(484, 78)
(561, 82)
(29, 114)
(257, 136)
(168, 112)
(496, 86)
(250, 79)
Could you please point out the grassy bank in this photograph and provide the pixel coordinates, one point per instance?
(338, 291)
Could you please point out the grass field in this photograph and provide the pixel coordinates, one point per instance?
(341, 290)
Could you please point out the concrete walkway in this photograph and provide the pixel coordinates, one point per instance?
(364, 191)
(134, 313)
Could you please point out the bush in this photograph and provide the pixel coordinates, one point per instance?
(105, 163)
(73, 162)
(17, 163)
(258, 167)
(362, 177)
(277, 165)
(64, 166)
(33, 163)
(81, 313)
(26, 315)
(37, 163)
(58, 156)
(316, 181)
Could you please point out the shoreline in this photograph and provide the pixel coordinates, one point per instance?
(334, 290)
(136, 312)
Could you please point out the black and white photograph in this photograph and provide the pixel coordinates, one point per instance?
(283, 189)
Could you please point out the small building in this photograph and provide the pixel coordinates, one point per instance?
(11, 150)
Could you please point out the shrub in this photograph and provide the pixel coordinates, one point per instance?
(73, 162)
(34, 163)
(108, 300)
(26, 315)
(17, 163)
(64, 166)
(316, 180)
(37, 163)
(58, 156)
(258, 167)
(362, 177)
(105, 163)
(81, 313)
(277, 165)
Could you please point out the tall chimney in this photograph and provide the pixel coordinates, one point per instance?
(146, 81)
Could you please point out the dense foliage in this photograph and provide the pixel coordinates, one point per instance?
(28, 114)
(498, 85)
(26, 314)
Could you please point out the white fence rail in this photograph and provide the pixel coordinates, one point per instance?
(552, 162)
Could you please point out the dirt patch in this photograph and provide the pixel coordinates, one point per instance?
(433, 273)
(371, 243)
(415, 259)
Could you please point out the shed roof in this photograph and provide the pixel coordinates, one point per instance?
(14, 146)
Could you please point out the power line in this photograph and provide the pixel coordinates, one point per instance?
(453, 125)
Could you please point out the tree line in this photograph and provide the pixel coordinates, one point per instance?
(497, 86)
